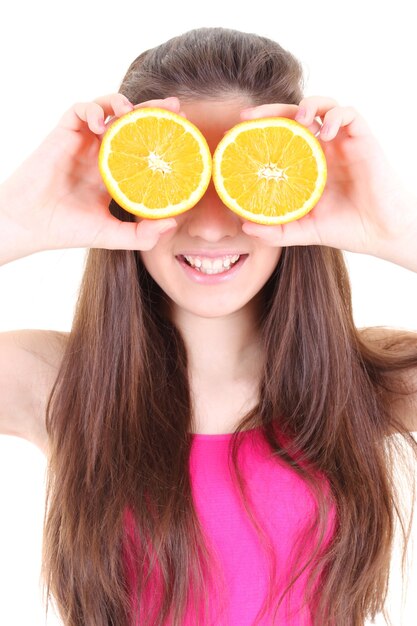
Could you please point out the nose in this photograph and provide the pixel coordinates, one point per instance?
(211, 220)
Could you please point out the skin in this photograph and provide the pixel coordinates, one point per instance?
(365, 208)
(211, 225)
(218, 322)
(57, 199)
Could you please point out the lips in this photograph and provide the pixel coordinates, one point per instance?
(196, 275)
(210, 265)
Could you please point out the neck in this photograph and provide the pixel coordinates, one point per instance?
(224, 365)
(222, 349)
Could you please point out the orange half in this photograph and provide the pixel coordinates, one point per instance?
(155, 163)
(269, 170)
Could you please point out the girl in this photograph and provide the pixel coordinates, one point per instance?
(218, 452)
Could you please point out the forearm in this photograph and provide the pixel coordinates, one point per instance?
(15, 241)
(402, 252)
(401, 249)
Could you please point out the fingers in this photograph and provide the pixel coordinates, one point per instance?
(333, 116)
(143, 235)
(278, 110)
(321, 115)
(301, 232)
(113, 104)
(98, 114)
(150, 231)
(270, 110)
(313, 106)
(92, 113)
(172, 103)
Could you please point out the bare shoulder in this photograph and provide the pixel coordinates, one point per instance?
(29, 364)
(405, 343)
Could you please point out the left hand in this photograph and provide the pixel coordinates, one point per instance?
(364, 207)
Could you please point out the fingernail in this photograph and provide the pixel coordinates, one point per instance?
(247, 112)
(168, 226)
(250, 230)
(301, 115)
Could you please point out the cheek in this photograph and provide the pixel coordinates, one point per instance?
(264, 264)
(157, 266)
(149, 261)
(269, 259)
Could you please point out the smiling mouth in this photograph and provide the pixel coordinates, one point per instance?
(212, 266)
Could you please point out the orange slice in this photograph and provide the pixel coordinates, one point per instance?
(269, 170)
(155, 163)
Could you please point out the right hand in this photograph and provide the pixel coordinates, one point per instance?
(57, 197)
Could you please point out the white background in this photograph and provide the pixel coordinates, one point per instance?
(54, 54)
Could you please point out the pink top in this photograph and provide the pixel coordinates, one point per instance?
(282, 504)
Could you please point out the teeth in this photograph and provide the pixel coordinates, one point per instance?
(212, 266)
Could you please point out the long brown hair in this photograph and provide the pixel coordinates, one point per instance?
(119, 417)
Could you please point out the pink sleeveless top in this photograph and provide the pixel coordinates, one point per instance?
(282, 504)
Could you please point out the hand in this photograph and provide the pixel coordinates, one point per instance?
(364, 207)
(57, 198)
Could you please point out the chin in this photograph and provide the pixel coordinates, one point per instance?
(209, 310)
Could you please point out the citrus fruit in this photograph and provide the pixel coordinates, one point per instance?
(155, 163)
(269, 170)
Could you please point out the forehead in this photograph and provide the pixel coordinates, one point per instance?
(214, 117)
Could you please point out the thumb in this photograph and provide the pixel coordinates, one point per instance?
(301, 232)
(143, 235)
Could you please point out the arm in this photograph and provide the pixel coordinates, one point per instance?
(400, 246)
(29, 364)
(56, 199)
(365, 206)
